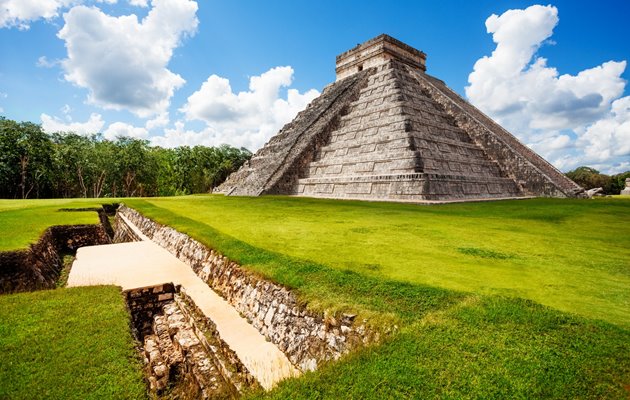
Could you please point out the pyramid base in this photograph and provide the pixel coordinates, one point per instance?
(416, 187)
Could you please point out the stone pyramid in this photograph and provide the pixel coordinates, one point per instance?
(386, 130)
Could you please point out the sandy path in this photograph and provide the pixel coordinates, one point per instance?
(139, 264)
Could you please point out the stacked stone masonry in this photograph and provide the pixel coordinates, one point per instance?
(401, 136)
(274, 168)
(307, 338)
(177, 354)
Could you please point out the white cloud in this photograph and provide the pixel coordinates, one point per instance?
(548, 111)
(161, 120)
(20, 13)
(251, 117)
(609, 137)
(44, 62)
(619, 168)
(121, 129)
(139, 3)
(180, 136)
(53, 124)
(122, 61)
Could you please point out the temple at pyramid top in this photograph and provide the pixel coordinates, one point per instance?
(375, 52)
(386, 130)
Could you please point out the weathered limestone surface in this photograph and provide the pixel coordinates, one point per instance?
(275, 167)
(176, 352)
(38, 267)
(306, 338)
(533, 173)
(403, 136)
(626, 190)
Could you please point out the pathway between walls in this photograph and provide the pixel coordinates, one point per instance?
(141, 264)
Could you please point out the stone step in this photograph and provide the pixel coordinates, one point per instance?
(175, 354)
(402, 177)
(409, 187)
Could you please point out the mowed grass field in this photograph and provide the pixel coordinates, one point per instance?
(22, 222)
(572, 255)
(65, 343)
(515, 299)
(70, 343)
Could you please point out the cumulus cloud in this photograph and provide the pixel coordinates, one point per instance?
(609, 137)
(20, 13)
(180, 136)
(247, 118)
(159, 121)
(53, 124)
(139, 3)
(121, 129)
(121, 61)
(548, 111)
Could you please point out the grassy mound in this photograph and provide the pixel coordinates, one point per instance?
(70, 343)
(485, 348)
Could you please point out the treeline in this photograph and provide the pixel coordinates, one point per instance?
(590, 178)
(34, 164)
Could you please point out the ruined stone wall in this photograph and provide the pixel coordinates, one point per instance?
(123, 233)
(38, 267)
(308, 339)
(180, 361)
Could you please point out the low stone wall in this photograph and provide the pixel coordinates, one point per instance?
(145, 303)
(123, 233)
(308, 339)
(38, 267)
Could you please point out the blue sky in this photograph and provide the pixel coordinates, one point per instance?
(179, 71)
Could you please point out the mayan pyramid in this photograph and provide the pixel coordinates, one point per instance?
(386, 130)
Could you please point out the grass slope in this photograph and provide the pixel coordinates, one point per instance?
(571, 255)
(455, 279)
(485, 348)
(450, 344)
(22, 222)
(68, 344)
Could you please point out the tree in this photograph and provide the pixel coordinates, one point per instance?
(65, 164)
(589, 178)
(25, 159)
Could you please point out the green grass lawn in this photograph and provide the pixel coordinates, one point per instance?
(572, 255)
(457, 279)
(511, 299)
(70, 343)
(22, 222)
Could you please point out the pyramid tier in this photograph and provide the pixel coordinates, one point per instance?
(416, 187)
